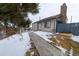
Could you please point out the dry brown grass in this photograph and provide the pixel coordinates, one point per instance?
(64, 40)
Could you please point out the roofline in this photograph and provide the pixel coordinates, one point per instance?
(53, 17)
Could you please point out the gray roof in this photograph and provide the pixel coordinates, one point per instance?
(48, 18)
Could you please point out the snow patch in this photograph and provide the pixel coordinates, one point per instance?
(71, 52)
(15, 45)
(75, 38)
(45, 35)
(62, 49)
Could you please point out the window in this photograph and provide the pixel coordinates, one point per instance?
(47, 24)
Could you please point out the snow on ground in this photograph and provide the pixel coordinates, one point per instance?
(62, 49)
(45, 35)
(65, 51)
(75, 38)
(71, 52)
(15, 45)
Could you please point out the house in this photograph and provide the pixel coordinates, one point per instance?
(50, 23)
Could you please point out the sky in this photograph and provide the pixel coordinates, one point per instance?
(51, 9)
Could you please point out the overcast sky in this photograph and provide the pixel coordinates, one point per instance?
(51, 9)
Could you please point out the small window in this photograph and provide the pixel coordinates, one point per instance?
(47, 24)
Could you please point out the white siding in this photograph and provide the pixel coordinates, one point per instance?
(40, 24)
(51, 26)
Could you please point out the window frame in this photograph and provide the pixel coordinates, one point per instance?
(47, 24)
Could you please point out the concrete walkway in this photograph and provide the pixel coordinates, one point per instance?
(43, 47)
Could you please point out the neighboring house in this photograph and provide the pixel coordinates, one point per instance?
(50, 23)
